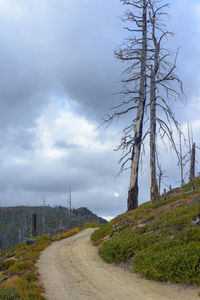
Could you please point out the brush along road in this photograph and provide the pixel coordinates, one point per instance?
(71, 269)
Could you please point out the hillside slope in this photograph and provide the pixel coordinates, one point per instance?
(161, 241)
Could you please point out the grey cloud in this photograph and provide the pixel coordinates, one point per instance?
(64, 48)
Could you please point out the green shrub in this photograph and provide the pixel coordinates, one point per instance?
(100, 233)
(179, 263)
(8, 294)
(4, 265)
(20, 268)
(42, 239)
(31, 277)
(125, 244)
(17, 268)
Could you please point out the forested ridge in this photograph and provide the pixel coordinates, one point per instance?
(15, 222)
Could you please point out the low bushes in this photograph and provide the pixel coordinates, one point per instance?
(179, 263)
(125, 245)
(156, 257)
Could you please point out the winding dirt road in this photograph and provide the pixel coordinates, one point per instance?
(71, 269)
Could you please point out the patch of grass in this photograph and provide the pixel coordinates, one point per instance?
(64, 235)
(101, 233)
(90, 225)
(25, 289)
(42, 239)
(8, 294)
(31, 277)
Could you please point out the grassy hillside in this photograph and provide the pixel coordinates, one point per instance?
(162, 241)
(15, 222)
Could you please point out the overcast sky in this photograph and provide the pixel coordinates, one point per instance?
(57, 78)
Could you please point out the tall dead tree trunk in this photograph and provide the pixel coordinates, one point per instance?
(132, 202)
(154, 193)
(33, 225)
(162, 72)
(181, 159)
(138, 55)
(154, 185)
(160, 178)
(192, 165)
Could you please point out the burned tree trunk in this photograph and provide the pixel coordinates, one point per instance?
(33, 225)
(132, 202)
(154, 186)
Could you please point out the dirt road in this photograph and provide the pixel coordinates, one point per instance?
(71, 269)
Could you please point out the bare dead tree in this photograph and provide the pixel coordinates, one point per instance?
(192, 165)
(181, 160)
(161, 176)
(154, 192)
(192, 153)
(70, 206)
(34, 225)
(162, 73)
(148, 72)
(190, 156)
(134, 54)
(133, 191)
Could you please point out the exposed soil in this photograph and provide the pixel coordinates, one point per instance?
(71, 269)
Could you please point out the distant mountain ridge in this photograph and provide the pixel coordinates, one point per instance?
(15, 222)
